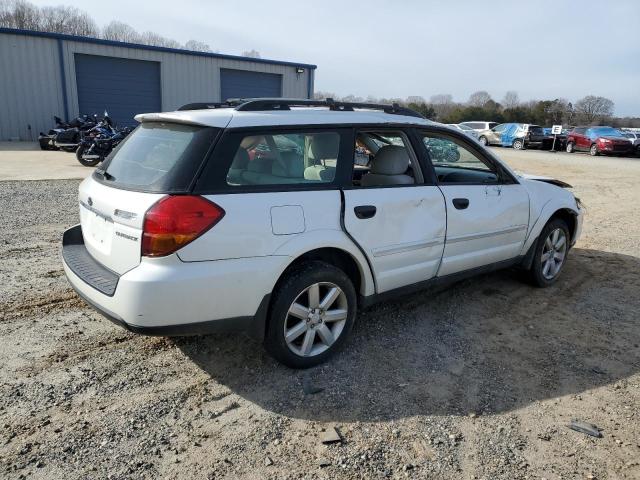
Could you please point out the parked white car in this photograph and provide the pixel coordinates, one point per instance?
(254, 216)
(465, 129)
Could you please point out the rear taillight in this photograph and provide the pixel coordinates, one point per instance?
(174, 221)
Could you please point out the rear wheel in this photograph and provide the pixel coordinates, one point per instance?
(483, 141)
(312, 313)
(550, 254)
(593, 151)
(518, 144)
(87, 162)
(570, 147)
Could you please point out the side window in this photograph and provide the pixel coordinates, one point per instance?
(454, 163)
(284, 158)
(384, 158)
(499, 128)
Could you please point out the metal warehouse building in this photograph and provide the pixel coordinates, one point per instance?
(46, 74)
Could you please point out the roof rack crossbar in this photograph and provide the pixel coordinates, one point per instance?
(264, 104)
(275, 104)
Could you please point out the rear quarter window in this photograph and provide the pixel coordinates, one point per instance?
(276, 159)
(158, 157)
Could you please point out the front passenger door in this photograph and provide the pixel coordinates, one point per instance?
(487, 209)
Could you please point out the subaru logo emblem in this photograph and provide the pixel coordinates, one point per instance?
(90, 202)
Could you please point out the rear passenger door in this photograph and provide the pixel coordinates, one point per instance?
(582, 141)
(393, 210)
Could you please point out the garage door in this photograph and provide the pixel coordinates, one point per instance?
(121, 86)
(244, 84)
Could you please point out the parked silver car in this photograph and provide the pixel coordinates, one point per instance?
(479, 126)
(465, 129)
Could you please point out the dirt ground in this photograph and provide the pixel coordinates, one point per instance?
(475, 382)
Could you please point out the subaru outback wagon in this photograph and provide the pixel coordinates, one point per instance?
(282, 217)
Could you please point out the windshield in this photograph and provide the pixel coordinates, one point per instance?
(158, 157)
(604, 131)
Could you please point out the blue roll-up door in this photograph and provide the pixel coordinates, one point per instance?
(121, 86)
(245, 84)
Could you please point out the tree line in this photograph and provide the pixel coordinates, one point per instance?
(590, 110)
(24, 15)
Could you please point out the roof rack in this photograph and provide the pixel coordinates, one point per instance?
(206, 105)
(270, 104)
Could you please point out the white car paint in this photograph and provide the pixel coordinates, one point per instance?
(416, 234)
(490, 230)
(405, 239)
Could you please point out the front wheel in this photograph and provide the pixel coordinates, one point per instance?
(570, 147)
(518, 144)
(593, 151)
(312, 313)
(550, 254)
(82, 157)
(483, 141)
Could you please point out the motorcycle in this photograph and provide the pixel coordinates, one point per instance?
(99, 141)
(66, 135)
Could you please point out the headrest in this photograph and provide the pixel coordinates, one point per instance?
(390, 160)
(241, 160)
(324, 145)
(290, 165)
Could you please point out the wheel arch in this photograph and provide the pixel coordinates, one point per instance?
(335, 256)
(569, 217)
(551, 210)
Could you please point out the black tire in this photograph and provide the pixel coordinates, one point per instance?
(518, 144)
(535, 273)
(570, 147)
(483, 141)
(86, 162)
(289, 290)
(593, 150)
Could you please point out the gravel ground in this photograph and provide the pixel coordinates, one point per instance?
(475, 382)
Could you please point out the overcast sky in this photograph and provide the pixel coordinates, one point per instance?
(543, 49)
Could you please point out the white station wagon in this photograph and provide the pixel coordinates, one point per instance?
(281, 218)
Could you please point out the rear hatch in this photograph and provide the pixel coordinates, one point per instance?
(157, 159)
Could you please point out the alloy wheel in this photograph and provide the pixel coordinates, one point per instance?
(315, 319)
(554, 253)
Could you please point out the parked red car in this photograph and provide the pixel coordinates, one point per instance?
(597, 140)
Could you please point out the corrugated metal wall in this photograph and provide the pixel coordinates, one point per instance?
(30, 86)
(31, 91)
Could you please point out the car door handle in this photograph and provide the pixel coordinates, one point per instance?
(365, 211)
(461, 203)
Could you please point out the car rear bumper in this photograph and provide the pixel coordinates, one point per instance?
(166, 296)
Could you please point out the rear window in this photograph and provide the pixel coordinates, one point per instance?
(158, 157)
